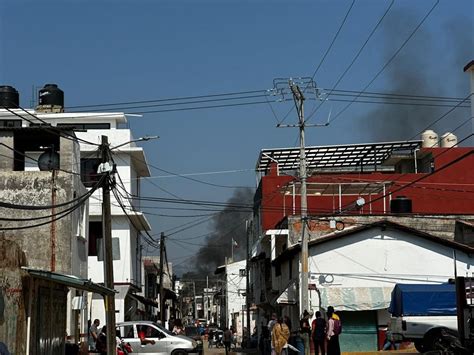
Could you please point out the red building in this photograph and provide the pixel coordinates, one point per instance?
(368, 179)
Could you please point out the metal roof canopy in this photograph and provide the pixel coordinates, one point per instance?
(70, 281)
(334, 156)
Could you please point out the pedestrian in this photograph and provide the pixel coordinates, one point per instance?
(305, 331)
(265, 340)
(318, 334)
(280, 336)
(93, 334)
(227, 339)
(178, 327)
(272, 322)
(334, 328)
(390, 342)
(101, 343)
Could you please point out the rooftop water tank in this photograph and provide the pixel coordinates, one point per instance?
(449, 140)
(429, 139)
(50, 99)
(401, 204)
(9, 97)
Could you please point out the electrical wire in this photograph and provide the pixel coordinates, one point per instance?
(334, 39)
(387, 63)
(353, 59)
(183, 98)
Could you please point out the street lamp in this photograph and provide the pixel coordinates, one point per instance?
(146, 138)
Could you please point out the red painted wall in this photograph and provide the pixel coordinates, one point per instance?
(448, 190)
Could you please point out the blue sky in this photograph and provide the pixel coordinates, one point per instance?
(115, 51)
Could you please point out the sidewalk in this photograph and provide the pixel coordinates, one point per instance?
(244, 351)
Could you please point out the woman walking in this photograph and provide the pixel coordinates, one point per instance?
(280, 335)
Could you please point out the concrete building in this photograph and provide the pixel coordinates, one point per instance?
(355, 269)
(128, 223)
(378, 213)
(43, 245)
(233, 305)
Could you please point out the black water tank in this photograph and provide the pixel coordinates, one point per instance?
(51, 95)
(401, 204)
(9, 97)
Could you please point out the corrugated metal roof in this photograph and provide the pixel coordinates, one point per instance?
(334, 156)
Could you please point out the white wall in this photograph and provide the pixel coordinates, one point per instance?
(380, 259)
(375, 258)
(236, 286)
(123, 270)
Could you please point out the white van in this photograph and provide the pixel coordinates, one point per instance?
(157, 339)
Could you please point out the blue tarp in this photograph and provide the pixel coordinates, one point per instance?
(420, 299)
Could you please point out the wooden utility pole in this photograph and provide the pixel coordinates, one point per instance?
(299, 98)
(162, 271)
(249, 229)
(105, 169)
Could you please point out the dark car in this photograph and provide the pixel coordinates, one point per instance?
(193, 332)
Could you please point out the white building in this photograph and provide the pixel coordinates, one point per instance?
(355, 270)
(127, 227)
(235, 281)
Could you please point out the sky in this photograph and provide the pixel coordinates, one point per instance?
(125, 51)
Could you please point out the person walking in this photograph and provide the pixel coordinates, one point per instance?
(93, 334)
(332, 334)
(319, 334)
(280, 336)
(227, 340)
(178, 327)
(305, 331)
(101, 343)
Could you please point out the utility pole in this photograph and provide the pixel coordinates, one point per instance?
(247, 281)
(195, 303)
(105, 169)
(162, 271)
(299, 98)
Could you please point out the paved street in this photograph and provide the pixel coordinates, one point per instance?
(404, 352)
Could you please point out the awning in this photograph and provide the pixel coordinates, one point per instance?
(70, 281)
(145, 301)
(288, 296)
(356, 298)
(170, 295)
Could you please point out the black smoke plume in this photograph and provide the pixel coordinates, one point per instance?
(430, 64)
(227, 225)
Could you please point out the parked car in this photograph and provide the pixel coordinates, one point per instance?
(193, 332)
(157, 339)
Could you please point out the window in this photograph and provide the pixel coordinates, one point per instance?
(89, 176)
(147, 331)
(242, 272)
(85, 126)
(126, 331)
(95, 237)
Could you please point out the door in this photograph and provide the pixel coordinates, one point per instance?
(359, 331)
(127, 334)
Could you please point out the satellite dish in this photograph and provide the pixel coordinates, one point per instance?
(48, 161)
(360, 202)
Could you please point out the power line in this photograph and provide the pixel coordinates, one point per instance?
(334, 39)
(171, 99)
(354, 59)
(390, 59)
